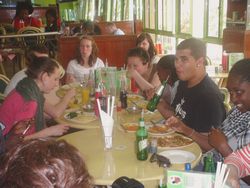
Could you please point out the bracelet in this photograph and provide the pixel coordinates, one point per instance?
(191, 134)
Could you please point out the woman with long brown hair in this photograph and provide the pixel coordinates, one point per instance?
(85, 60)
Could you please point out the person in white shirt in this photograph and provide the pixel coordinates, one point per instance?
(112, 29)
(85, 61)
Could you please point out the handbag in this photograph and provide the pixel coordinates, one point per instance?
(125, 182)
(16, 134)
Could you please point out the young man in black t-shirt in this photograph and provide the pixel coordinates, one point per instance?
(198, 103)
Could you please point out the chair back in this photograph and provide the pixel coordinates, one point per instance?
(28, 42)
(226, 98)
(2, 32)
(4, 81)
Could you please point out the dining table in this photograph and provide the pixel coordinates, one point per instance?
(106, 165)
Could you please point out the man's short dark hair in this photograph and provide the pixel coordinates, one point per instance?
(197, 47)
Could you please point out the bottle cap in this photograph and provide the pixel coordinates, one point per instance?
(187, 166)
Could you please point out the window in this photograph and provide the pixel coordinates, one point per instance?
(184, 12)
(180, 19)
(110, 10)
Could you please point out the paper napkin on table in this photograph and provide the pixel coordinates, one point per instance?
(107, 123)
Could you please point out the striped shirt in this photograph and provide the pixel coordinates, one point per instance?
(241, 160)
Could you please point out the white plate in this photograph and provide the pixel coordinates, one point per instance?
(178, 156)
(81, 118)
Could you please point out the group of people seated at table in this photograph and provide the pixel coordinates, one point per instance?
(24, 18)
(192, 104)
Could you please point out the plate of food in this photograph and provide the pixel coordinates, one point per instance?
(159, 130)
(173, 141)
(134, 97)
(130, 127)
(79, 117)
(178, 156)
(63, 89)
(133, 127)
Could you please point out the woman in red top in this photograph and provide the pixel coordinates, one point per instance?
(23, 18)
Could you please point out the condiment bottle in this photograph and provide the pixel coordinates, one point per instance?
(152, 104)
(142, 141)
(134, 87)
(187, 166)
(97, 95)
(103, 97)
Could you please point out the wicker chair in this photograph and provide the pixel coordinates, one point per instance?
(28, 42)
(2, 42)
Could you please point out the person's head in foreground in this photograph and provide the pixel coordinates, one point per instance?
(238, 84)
(166, 69)
(190, 60)
(46, 163)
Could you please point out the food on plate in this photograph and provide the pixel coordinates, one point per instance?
(134, 98)
(159, 128)
(71, 115)
(79, 117)
(173, 141)
(62, 90)
(130, 126)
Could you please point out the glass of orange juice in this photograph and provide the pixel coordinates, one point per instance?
(85, 95)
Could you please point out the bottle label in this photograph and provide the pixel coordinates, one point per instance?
(142, 144)
(160, 90)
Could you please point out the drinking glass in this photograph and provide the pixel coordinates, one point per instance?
(85, 95)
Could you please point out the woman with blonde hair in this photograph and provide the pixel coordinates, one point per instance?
(22, 112)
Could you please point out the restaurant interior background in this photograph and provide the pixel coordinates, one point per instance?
(222, 24)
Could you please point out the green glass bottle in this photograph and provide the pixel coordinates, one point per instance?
(209, 165)
(152, 104)
(142, 141)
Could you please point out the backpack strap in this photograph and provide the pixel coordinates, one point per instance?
(2, 141)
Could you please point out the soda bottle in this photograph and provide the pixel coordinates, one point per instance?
(209, 165)
(97, 95)
(152, 104)
(123, 93)
(134, 87)
(142, 141)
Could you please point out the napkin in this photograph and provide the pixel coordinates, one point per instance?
(107, 123)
